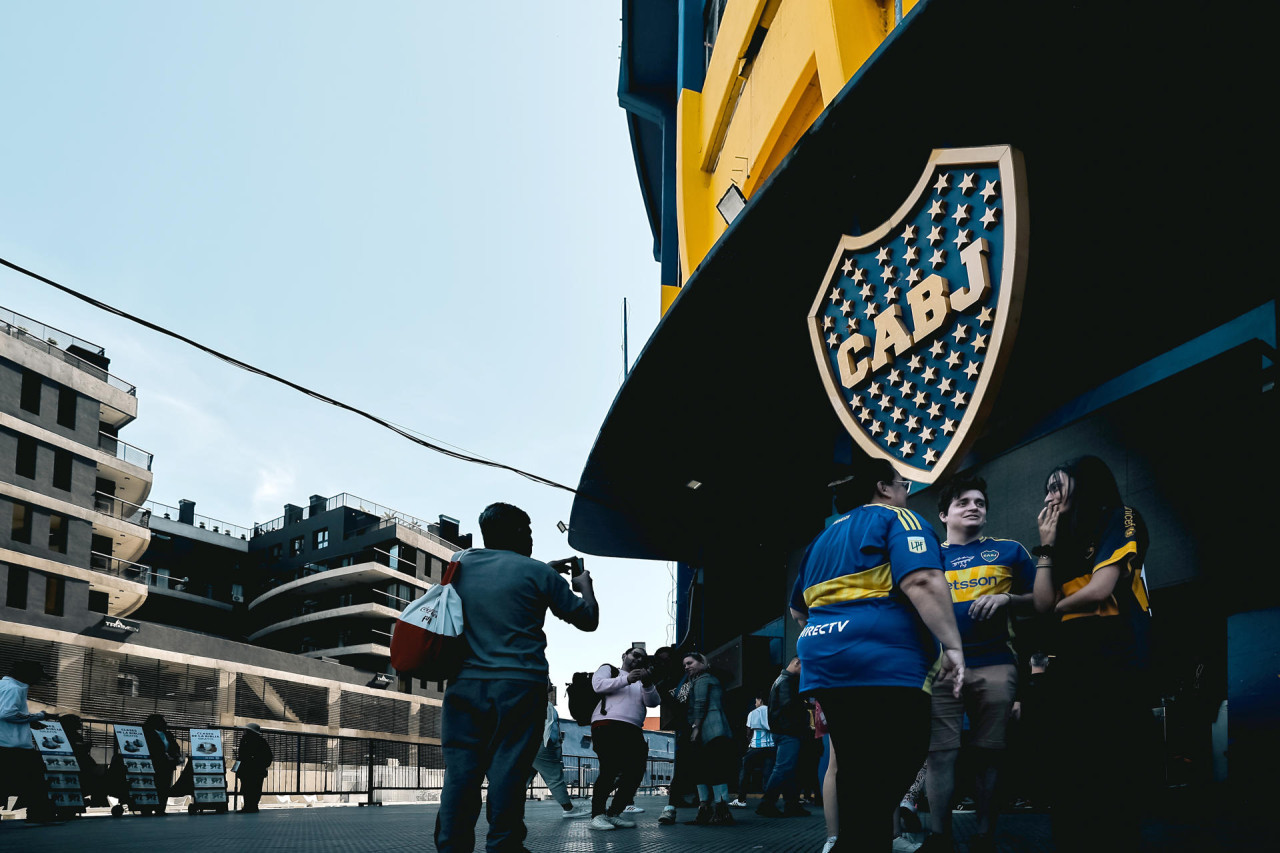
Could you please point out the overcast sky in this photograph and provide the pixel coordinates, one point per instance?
(428, 210)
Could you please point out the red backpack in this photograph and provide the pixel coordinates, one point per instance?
(427, 641)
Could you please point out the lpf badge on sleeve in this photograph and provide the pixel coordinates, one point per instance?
(914, 320)
(916, 544)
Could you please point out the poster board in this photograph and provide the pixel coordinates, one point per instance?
(62, 770)
(209, 768)
(140, 771)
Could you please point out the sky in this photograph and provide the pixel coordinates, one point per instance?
(427, 210)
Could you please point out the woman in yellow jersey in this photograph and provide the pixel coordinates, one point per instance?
(869, 595)
(1089, 575)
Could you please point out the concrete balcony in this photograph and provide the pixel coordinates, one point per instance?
(127, 523)
(366, 611)
(122, 581)
(361, 575)
(127, 466)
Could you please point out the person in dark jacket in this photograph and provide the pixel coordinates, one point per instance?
(711, 740)
(789, 722)
(166, 755)
(254, 757)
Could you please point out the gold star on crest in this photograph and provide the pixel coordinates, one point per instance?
(984, 317)
(979, 343)
(889, 273)
(891, 295)
(936, 235)
(921, 398)
(846, 308)
(945, 386)
(876, 428)
(868, 290)
(884, 255)
(926, 434)
(833, 340)
(828, 323)
(953, 360)
(853, 325)
(848, 265)
(859, 275)
(891, 439)
(836, 295)
(938, 348)
(930, 374)
(930, 456)
(949, 426)
(913, 423)
(935, 411)
(911, 255)
(916, 362)
(895, 376)
(909, 233)
(908, 388)
(963, 238)
(876, 389)
(865, 415)
(907, 449)
(960, 333)
(989, 192)
(959, 400)
(872, 309)
(939, 258)
(855, 402)
(938, 209)
(899, 415)
(969, 184)
(962, 213)
(886, 402)
(972, 370)
(943, 183)
(989, 218)
(914, 275)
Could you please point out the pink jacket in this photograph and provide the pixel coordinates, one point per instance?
(625, 701)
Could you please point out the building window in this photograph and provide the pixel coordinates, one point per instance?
(62, 469)
(158, 577)
(57, 533)
(99, 601)
(31, 385)
(21, 531)
(295, 546)
(55, 591)
(17, 592)
(67, 408)
(320, 539)
(237, 592)
(277, 551)
(346, 599)
(26, 466)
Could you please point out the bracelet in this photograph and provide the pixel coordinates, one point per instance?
(1042, 551)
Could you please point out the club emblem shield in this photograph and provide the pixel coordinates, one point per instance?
(915, 319)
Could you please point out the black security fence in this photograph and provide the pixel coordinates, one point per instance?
(355, 769)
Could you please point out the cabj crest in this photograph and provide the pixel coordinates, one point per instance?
(915, 319)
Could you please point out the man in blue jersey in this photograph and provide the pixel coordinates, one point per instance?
(989, 579)
(869, 593)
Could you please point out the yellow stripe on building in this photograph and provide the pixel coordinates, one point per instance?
(871, 583)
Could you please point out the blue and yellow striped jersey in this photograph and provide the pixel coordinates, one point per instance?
(986, 566)
(862, 631)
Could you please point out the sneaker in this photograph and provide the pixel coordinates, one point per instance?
(633, 810)
(576, 811)
(909, 817)
(738, 803)
(721, 816)
(601, 823)
(795, 810)
(620, 821)
(831, 842)
(668, 816)
(768, 810)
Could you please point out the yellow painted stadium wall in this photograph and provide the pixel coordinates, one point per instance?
(749, 115)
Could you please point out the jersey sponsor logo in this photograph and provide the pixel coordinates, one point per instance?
(823, 630)
(990, 556)
(916, 544)
(973, 582)
(961, 562)
(914, 319)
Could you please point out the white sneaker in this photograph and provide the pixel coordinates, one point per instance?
(739, 804)
(601, 823)
(831, 842)
(633, 810)
(576, 811)
(621, 822)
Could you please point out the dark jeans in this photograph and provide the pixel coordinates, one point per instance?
(623, 752)
(22, 775)
(761, 759)
(1100, 791)
(680, 786)
(783, 779)
(887, 730)
(490, 728)
(251, 790)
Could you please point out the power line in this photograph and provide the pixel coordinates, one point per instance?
(403, 432)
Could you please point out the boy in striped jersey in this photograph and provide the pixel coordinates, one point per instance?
(989, 579)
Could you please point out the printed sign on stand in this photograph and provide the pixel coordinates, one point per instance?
(208, 766)
(139, 771)
(62, 769)
(132, 741)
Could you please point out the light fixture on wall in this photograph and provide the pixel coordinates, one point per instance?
(731, 203)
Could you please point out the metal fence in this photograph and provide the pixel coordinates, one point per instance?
(311, 764)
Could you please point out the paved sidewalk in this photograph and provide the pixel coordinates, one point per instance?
(409, 828)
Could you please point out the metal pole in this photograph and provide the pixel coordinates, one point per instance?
(298, 760)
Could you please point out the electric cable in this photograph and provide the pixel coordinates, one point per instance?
(403, 432)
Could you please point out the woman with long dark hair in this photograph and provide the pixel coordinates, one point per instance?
(1089, 575)
(711, 738)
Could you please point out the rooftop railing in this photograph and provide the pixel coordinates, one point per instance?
(386, 514)
(393, 522)
(51, 340)
(121, 509)
(125, 451)
(204, 522)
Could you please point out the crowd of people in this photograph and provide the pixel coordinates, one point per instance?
(904, 638)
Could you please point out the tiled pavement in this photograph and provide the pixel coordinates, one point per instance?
(409, 828)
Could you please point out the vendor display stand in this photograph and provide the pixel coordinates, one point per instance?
(139, 771)
(209, 772)
(62, 770)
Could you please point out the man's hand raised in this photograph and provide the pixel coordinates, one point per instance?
(953, 666)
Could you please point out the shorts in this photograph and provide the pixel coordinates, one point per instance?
(987, 696)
